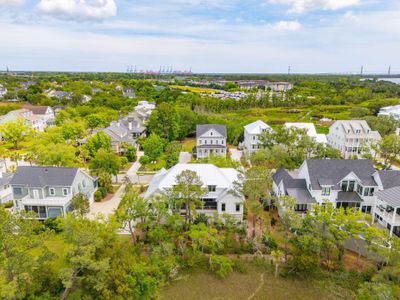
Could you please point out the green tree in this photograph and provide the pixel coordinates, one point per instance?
(97, 142)
(164, 121)
(389, 149)
(133, 212)
(15, 132)
(105, 161)
(187, 192)
(153, 147)
(88, 262)
(80, 204)
(289, 218)
(58, 155)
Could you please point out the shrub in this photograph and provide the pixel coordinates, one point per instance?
(144, 160)
(53, 224)
(269, 242)
(124, 161)
(221, 265)
(202, 218)
(131, 154)
(8, 204)
(100, 194)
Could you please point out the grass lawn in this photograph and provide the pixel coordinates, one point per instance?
(194, 89)
(188, 144)
(255, 283)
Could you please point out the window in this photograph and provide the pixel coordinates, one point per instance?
(351, 185)
(212, 188)
(301, 207)
(199, 142)
(52, 192)
(17, 191)
(237, 207)
(326, 191)
(344, 186)
(54, 212)
(366, 209)
(84, 183)
(254, 137)
(65, 192)
(211, 133)
(359, 189)
(369, 191)
(222, 142)
(223, 207)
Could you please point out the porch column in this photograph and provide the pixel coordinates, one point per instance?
(393, 221)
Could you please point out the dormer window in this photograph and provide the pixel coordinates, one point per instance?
(212, 188)
(65, 192)
(326, 191)
(211, 133)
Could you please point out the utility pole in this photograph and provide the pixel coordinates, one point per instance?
(389, 70)
(362, 70)
(289, 69)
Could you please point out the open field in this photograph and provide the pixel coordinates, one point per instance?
(194, 89)
(254, 283)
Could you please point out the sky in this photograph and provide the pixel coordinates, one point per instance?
(216, 36)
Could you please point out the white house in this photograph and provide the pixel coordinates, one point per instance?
(3, 91)
(387, 206)
(211, 140)
(351, 136)
(219, 182)
(310, 130)
(5, 188)
(252, 133)
(390, 111)
(48, 191)
(344, 183)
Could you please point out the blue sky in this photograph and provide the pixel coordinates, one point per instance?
(246, 36)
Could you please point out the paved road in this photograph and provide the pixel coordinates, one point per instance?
(108, 207)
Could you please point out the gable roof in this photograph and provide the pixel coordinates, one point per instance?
(208, 173)
(390, 196)
(256, 127)
(37, 110)
(202, 129)
(389, 178)
(5, 178)
(331, 171)
(44, 176)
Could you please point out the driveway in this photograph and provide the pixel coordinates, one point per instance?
(185, 157)
(108, 207)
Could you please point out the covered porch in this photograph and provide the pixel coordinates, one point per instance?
(348, 200)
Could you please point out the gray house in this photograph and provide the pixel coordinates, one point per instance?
(211, 140)
(48, 191)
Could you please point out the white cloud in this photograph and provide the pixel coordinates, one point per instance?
(11, 2)
(286, 26)
(300, 6)
(81, 10)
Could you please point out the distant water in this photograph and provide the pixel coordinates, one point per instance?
(394, 80)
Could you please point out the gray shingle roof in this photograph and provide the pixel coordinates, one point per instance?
(44, 176)
(389, 178)
(303, 196)
(201, 129)
(348, 197)
(333, 170)
(390, 196)
(5, 178)
(296, 188)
